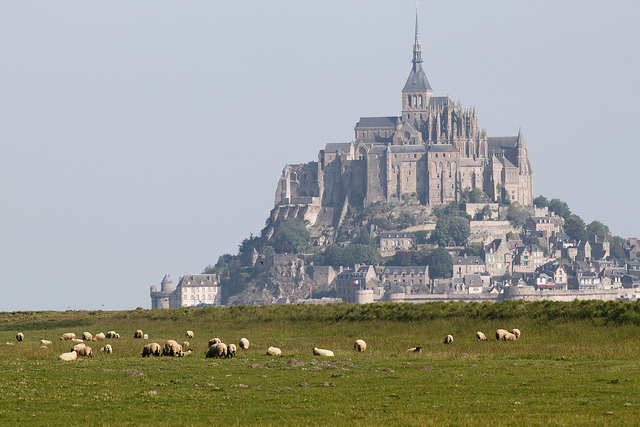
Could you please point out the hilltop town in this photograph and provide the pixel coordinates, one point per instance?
(423, 206)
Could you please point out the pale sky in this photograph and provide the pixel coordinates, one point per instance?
(144, 138)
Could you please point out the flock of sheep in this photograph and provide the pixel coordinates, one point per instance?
(217, 349)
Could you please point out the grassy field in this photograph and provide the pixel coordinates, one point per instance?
(575, 364)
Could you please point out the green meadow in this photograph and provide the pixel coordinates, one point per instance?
(576, 363)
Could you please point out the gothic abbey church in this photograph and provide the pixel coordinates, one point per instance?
(426, 156)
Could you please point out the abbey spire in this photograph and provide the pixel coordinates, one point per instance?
(416, 92)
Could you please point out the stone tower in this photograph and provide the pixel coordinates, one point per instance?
(416, 92)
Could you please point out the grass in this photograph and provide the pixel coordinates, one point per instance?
(575, 364)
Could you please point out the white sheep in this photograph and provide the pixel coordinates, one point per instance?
(138, 333)
(360, 345)
(45, 342)
(509, 337)
(274, 351)
(217, 350)
(244, 344)
(322, 352)
(108, 349)
(188, 334)
(214, 341)
(414, 350)
(19, 336)
(153, 348)
(76, 340)
(67, 357)
(500, 334)
(185, 345)
(85, 351)
(68, 336)
(231, 350)
(480, 336)
(172, 348)
(99, 337)
(448, 339)
(112, 334)
(516, 332)
(78, 346)
(86, 336)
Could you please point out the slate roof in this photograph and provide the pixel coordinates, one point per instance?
(400, 234)
(438, 148)
(337, 146)
(494, 142)
(378, 122)
(411, 269)
(469, 260)
(417, 80)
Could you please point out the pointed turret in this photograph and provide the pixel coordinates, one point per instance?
(417, 91)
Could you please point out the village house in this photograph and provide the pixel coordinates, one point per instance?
(390, 243)
(463, 265)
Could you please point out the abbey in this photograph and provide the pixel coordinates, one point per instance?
(428, 156)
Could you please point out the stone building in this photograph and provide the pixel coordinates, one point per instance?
(192, 290)
(427, 155)
(392, 242)
(359, 285)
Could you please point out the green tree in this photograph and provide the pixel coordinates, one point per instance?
(560, 208)
(517, 215)
(541, 202)
(440, 235)
(617, 248)
(405, 220)
(474, 196)
(403, 258)
(360, 254)
(596, 228)
(459, 230)
(440, 263)
(574, 227)
(291, 236)
(421, 236)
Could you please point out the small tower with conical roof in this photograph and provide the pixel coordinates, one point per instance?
(416, 92)
(161, 299)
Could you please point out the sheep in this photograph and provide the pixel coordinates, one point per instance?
(185, 345)
(171, 348)
(516, 332)
(99, 337)
(152, 348)
(19, 336)
(360, 345)
(45, 342)
(44, 348)
(86, 336)
(414, 350)
(274, 351)
(448, 339)
(77, 347)
(231, 351)
(67, 357)
(244, 344)
(145, 336)
(77, 340)
(188, 334)
(112, 334)
(85, 351)
(217, 350)
(107, 349)
(480, 336)
(322, 352)
(68, 336)
(117, 336)
(214, 341)
(500, 334)
(138, 334)
(509, 337)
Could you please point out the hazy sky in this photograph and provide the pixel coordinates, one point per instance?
(143, 138)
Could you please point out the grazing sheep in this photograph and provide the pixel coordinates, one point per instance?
(138, 334)
(509, 337)
(171, 348)
(217, 350)
(152, 348)
(231, 351)
(516, 332)
(112, 334)
(99, 337)
(78, 346)
(44, 348)
(274, 351)
(108, 349)
(45, 342)
(414, 350)
(85, 351)
(67, 357)
(185, 345)
(145, 336)
(117, 336)
(76, 340)
(19, 336)
(500, 334)
(188, 334)
(214, 341)
(68, 336)
(448, 339)
(480, 336)
(322, 352)
(244, 344)
(86, 336)
(360, 345)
